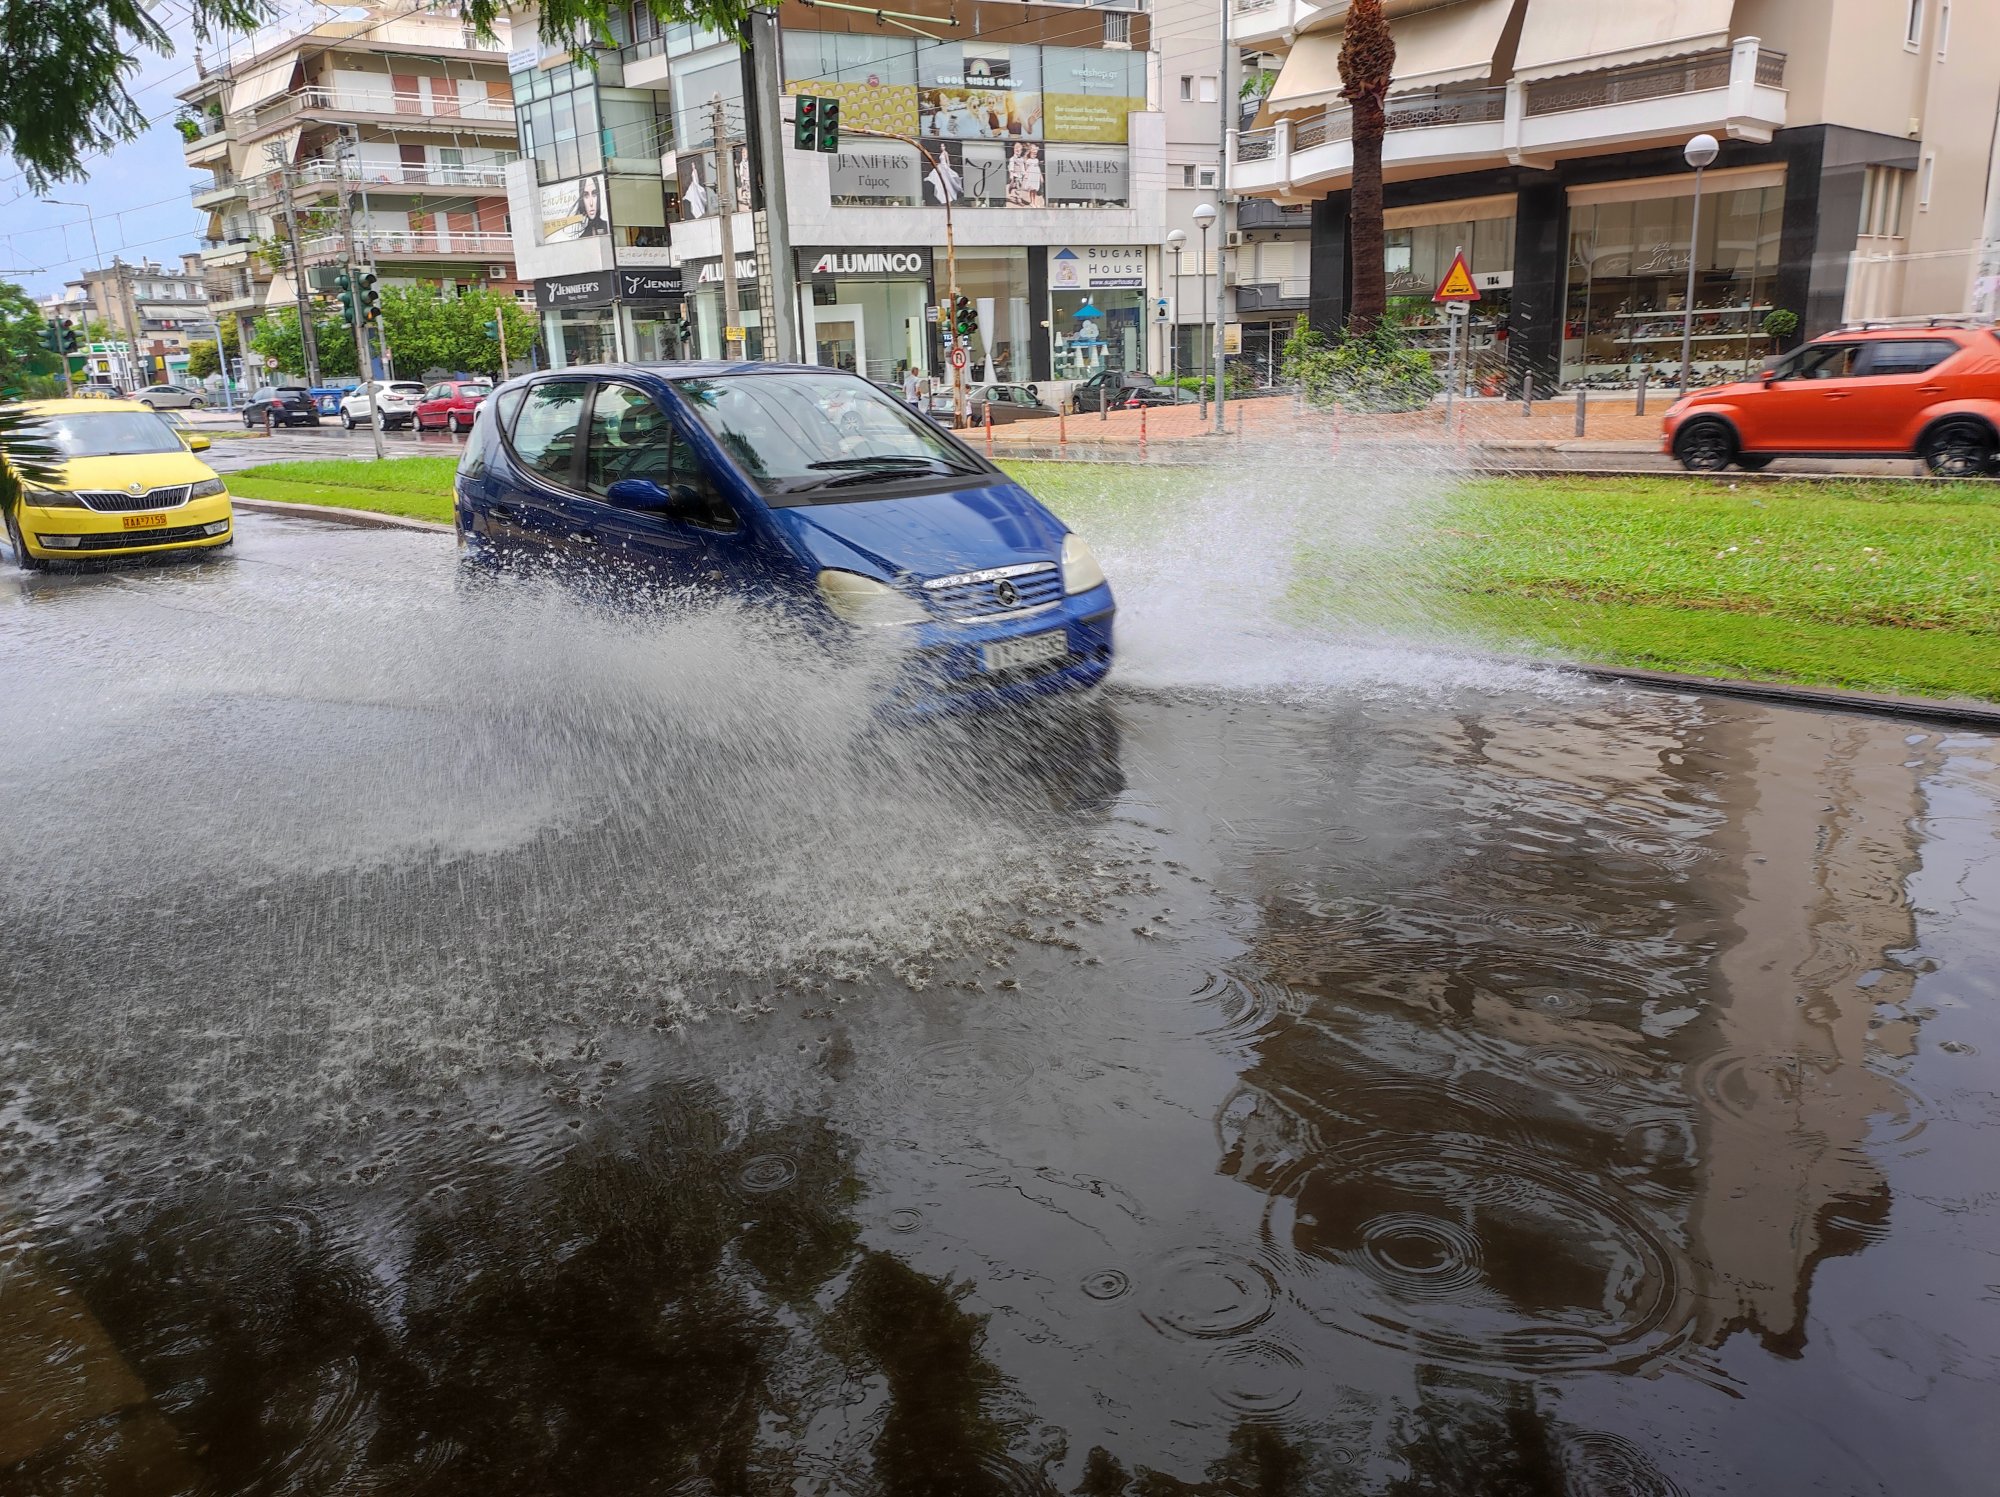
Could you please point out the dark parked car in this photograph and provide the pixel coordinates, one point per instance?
(1008, 403)
(289, 405)
(1123, 387)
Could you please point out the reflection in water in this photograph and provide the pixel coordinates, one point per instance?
(1214, 1096)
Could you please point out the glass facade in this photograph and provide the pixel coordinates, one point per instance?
(872, 327)
(1627, 291)
(1100, 328)
(998, 276)
(582, 335)
(1416, 259)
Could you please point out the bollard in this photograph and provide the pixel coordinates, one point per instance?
(1104, 403)
(1528, 394)
(267, 420)
(1640, 408)
(1239, 418)
(988, 410)
(1579, 410)
(1142, 433)
(1336, 428)
(1458, 425)
(1062, 428)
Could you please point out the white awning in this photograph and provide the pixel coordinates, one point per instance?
(1310, 76)
(285, 144)
(262, 84)
(1575, 36)
(1450, 44)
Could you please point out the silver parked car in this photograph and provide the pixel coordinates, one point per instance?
(399, 403)
(171, 397)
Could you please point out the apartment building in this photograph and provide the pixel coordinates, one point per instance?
(401, 109)
(1544, 139)
(1032, 125)
(152, 311)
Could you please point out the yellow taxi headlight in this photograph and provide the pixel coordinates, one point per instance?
(52, 498)
(208, 488)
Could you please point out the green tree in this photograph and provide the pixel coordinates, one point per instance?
(429, 330)
(277, 335)
(204, 359)
(21, 324)
(67, 63)
(1367, 62)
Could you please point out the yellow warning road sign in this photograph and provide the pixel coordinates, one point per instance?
(1457, 283)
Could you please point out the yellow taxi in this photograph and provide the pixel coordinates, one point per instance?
(129, 484)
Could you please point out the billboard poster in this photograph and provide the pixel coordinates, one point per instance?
(1087, 176)
(1089, 93)
(979, 90)
(879, 172)
(969, 173)
(1026, 179)
(694, 182)
(573, 210)
(866, 103)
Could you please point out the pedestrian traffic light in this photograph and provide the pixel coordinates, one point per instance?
(371, 299)
(805, 124)
(829, 124)
(68, 336)
(345, 283)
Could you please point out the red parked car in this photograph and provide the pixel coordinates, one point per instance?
(449, 405)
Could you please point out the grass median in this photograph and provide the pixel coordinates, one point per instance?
(1874, 586)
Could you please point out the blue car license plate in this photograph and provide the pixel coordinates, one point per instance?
(1035, 649)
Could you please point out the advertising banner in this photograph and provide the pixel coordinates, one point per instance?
(1078, 268)
(979, 91)
(573, 210)
(968, 172)
(866, 104)
(877, 172)
(1088, 93)
(1087, 176)
(694, 180)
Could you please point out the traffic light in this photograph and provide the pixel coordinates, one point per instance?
(964, 319)
(347, 304)
(52, 337)
(805, 124)
(68, 336)
(829, 124)
(491, 327)
(371, 299)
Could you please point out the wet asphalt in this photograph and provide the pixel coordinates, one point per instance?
(459, 1044)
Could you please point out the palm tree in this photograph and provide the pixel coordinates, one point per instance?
(1367, 62)
(26, 456)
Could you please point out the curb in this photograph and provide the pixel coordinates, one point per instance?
(360, 519)
(1954, 713)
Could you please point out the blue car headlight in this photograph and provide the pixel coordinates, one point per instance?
(856, 599)
(1080, 569)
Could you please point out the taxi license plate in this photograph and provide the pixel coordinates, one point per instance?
(145, 522)
(1036, 649)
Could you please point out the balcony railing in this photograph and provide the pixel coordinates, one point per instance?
(220, 184)
(1273, 296)
(377, 101)
(1695, 73)
(395, 244)
(321, 172)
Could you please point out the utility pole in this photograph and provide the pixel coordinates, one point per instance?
(128, 316)
(357, 313)
(1223, 197)
(726, 200)
(783, 330)
(274, 154)
(350, 136)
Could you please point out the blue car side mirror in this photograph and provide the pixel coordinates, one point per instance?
(646, 494)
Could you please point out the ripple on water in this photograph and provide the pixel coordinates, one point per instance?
(1241, 1006)
(1662, 852)
(1106, 1283)
(1209, 1294)
(1578, 1070)
(767, 1172)
(1469, 1250)
(1605, 1465)
(905, 1219)
(1261, 1380)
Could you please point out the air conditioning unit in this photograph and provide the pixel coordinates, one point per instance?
(496, 272)
(1235, 238)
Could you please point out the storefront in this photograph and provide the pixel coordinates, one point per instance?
(996, 281)
(606, 316)
(706, 308)
(1418, 244)
(864, 309)
(1097, 309)
(1628, 274)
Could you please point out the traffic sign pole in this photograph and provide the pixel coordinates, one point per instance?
(1452, 295)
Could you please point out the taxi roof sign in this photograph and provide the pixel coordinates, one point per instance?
(1457, 283)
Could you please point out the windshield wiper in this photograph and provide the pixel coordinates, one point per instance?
(886, 459)
(869, 469)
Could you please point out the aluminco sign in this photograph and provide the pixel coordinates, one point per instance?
(825, 263)
(877, 262)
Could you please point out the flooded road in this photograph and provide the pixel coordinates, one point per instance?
(458, 1045)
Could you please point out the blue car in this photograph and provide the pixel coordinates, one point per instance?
(805, 487)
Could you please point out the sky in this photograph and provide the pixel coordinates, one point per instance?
(138, 192)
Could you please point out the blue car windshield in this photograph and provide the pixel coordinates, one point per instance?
(816, 438)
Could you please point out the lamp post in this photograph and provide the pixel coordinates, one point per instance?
(1176, 241)
(1204, 215)
(1700, 152)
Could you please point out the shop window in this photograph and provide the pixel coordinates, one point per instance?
(1187, 88)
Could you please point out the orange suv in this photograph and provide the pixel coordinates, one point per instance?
(1929, 392)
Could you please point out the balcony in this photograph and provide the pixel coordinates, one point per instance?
(488, 116)
(412, 244)
(322, 175)
(216, 134)
(1262, 213)
(215, 193)
(1287, 295)
(1254, 21)
(1738, 93)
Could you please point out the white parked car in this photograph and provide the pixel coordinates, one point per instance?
(170, 397)
(399, 403)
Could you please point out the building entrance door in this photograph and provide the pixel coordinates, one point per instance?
(839, 338)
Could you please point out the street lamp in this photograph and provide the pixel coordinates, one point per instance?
(1700, 152)
(1204, 215)
(1177, 242)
